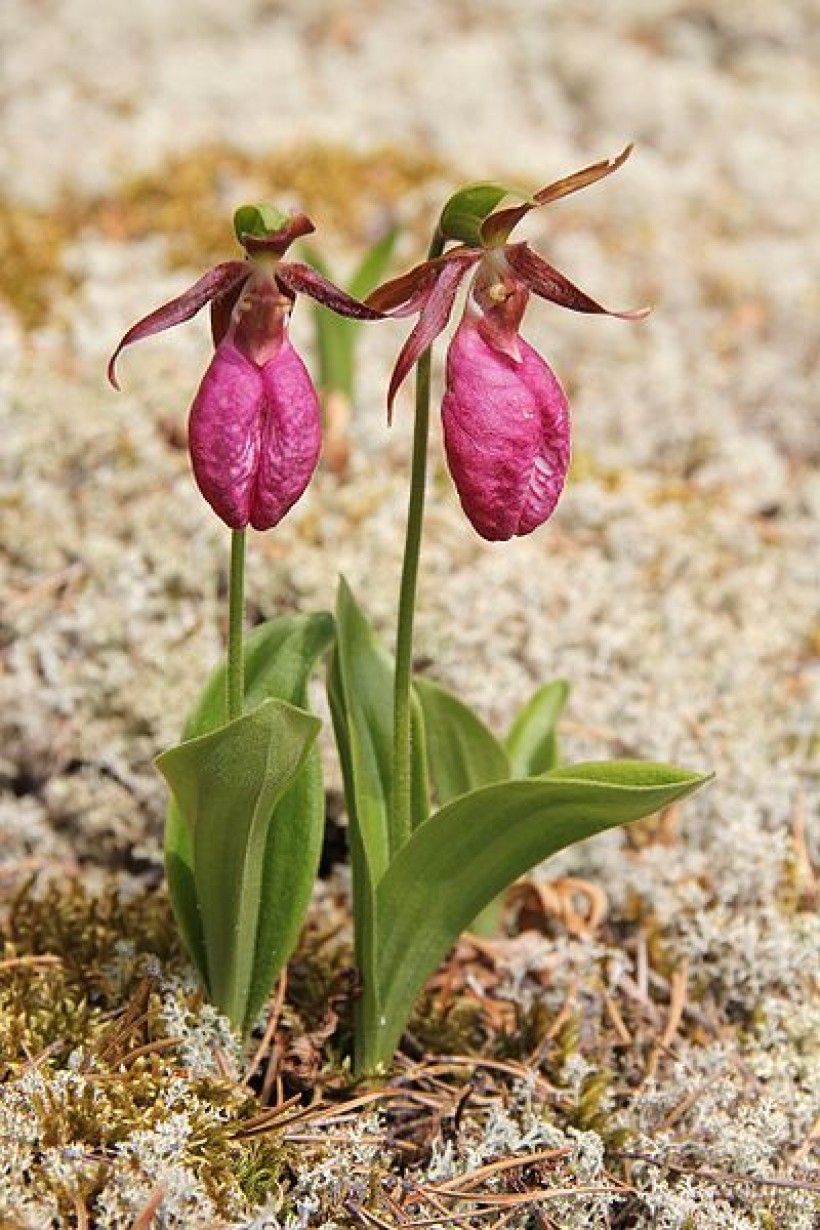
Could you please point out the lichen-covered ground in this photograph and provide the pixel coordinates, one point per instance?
(642, 1047)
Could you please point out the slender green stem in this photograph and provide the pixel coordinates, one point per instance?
(401, 803)
(236, 615)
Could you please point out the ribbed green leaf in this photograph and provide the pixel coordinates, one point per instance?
(227, 785)
(364, 674)
(532, 743)
(360, 690)
(471, 849)
(363, 885)
(462, 754)
(279, 657)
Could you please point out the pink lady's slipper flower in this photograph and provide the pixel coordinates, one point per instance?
(505, 415)
(254, 427)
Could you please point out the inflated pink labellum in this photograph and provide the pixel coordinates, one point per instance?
(254, 427)
(254, 435)
(506, 434)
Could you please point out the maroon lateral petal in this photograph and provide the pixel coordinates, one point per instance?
(499, 225)
(303, 280)
(278, 242)
(549, 283)
(432, 321)
(217, 281)
(406, 294)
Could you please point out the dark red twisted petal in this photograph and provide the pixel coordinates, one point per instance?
(303, 280)
(549, 283)
(408, 293)
(433, 318)
(220, 280)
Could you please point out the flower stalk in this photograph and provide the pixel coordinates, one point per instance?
(400, 811)
(236, 616)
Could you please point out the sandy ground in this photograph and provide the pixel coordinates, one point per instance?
(675, 586)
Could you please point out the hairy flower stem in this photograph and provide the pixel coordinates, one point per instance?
(400, 810)
(236, 615)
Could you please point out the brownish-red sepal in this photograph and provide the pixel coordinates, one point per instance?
(221, 280)
(549, 283)
(298, 279)
(278, 242)
(433, 319)
(408, 293)
(497, 228)
(582, 179)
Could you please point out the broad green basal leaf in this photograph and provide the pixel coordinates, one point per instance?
(279, 657)
(532, 743)
(227, 785)
(471, 849)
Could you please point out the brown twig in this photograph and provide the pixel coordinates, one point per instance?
(685, 1104)
(494, 1168)
(518, 1070)
(147, 1215)
(80, 1211)
(22, 962)
(614, 1014)
(270, 1029)
(677, 1003)
(149, 1048)
(808, 1144)
(510, 1199)
(805, 868)
(720, 1176)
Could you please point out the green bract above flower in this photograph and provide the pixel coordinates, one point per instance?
(260, 220)
(463, 215)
